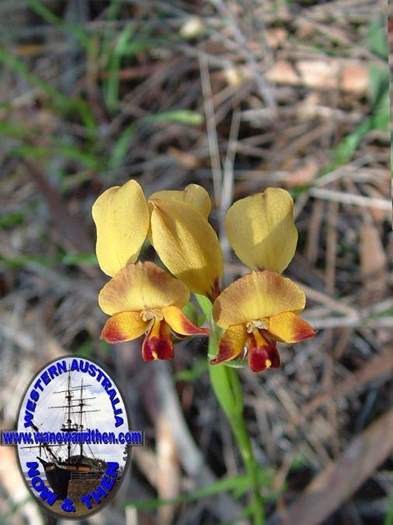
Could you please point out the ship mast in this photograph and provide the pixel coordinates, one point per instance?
(81, 405)
(68, 427)
(73, 403)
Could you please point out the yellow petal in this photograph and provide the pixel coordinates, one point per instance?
(261, 230)
(142, 286)
(289, 327)
(256, 296)
(180, 324)
(124, 326)
(186, 244)
(192, 194)
(121, 216)
(231, 344)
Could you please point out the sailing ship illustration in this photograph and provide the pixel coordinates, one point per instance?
(70, 472)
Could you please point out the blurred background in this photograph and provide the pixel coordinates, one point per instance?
(235, 96)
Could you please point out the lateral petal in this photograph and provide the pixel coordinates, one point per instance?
(289, 327)
(158, 342)
(231, 344)
(261, 230)
(121, 216)
(142, 286)
(180, 324)
(186, 244)
(192, 194)
(257, 295)
(124, 326)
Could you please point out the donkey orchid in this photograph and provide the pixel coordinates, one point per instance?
(261, 308)
(144, 299)
(174, 221)
(255, 312)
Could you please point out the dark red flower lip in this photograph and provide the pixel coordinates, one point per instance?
(262, 352)
(158, 342)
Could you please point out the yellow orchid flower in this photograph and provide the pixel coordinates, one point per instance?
(176, 223)
(255, 312)
(144, 299)
(261, 230)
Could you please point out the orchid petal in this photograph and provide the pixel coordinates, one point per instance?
(289, 327)
(193, 194)
(180, 324)
(142, 286)
(124, 326)
(121, 216)
(231, 344)
(257, 295)
(262, 353)
(158, 343)
(186, 244)
(261, 230)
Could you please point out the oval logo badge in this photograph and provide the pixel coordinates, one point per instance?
(73, 437)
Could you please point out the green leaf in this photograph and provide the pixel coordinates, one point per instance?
(205, 304)
(377, 37)
(120, 50)
(77, 31)
(121, 147)
(85, 349)
(66, 151)
(389, 513)
(56, 98)
(71, 259)
(238, 484)
(381, 116)
(176, 116)
(16, 131)
(192, 312)
(8, 220)
(124, 141)
(378, 82)
(21, 261)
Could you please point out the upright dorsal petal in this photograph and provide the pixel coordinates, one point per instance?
(121, 216)
(261, 230)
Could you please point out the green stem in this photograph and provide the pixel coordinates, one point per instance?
(227, 388)
(229, 393)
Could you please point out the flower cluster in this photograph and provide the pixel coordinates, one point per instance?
(254, 312)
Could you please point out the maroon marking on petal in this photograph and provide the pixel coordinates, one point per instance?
(304, 331)
(225, 353)
(271, 349)
(262, 356)
(215, 291)
(257, 359)
(274, 356)
(158, 343)
(111, 334)
(192, 329)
